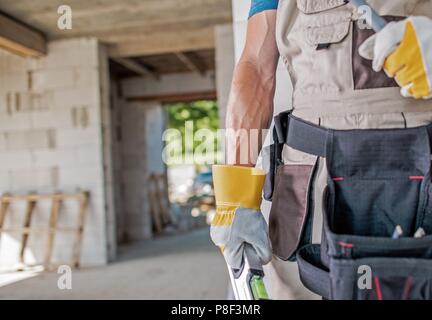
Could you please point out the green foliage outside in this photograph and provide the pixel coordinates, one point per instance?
(204, 115)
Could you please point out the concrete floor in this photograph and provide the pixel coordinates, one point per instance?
(185, 266)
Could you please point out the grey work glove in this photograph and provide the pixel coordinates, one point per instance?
(238, 220)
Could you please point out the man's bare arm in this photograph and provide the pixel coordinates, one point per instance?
(250, 104)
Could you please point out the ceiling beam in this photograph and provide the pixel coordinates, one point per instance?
(20, 38)
(136, 67)
(192, 61)
(165, 42)
(177, 97)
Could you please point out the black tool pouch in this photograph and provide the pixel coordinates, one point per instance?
(378, 180)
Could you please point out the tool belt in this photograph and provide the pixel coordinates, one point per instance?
(378, 180)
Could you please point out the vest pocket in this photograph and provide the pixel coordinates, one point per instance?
(322, 37)
(315, 6)
(323, 21)
(323, 42)
(289, 223)
(364, 76)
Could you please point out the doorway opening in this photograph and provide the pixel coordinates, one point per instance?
(189, 171)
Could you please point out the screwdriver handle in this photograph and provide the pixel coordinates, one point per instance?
(377, 22)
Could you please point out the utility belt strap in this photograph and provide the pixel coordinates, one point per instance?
(308, 137)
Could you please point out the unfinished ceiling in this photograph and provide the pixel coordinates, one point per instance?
(152, 37)
(132, 27)
(199, 61)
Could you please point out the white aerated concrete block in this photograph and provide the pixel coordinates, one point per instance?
(30, 140)
(82, 52)
(4, 181)
(33, 179)
(80, 177)
(47, 79)
(19, 121)
(73, 96)
(60, 157)
(51, 139)
(2, 142)
(14, 82)
(87, 156)
(16, 160)
(79, 137)
(66, 77)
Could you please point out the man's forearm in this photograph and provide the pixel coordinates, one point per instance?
(250, 109)
(250, 106)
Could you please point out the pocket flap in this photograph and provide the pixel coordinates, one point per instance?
(328, 34)
(315, 6)
(290, 209)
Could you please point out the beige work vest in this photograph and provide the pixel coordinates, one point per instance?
(318, 41)
(333, 86)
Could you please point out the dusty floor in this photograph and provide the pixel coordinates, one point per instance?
(178, 267)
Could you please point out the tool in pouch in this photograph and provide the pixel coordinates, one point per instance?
(377, 22)
(248, 281)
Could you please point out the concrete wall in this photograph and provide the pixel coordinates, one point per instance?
(224, 37)
(176, 83)
(134, 173)
(116, 147)
(52, 119)
(137, 148)
(108, 155)
(139, 153)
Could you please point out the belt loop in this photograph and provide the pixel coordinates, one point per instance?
(346, 249)
(281, 126)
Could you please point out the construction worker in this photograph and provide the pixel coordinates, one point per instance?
(335, 85)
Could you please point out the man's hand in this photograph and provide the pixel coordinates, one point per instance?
(238, 221)
(404, 50)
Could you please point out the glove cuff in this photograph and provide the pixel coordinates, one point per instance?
(238, 186)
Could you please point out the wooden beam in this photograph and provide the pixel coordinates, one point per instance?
(168, 42)
(192, 61)
(20, 38)
(55, 210)
(136, 67)
(178, 97)
(31, 204)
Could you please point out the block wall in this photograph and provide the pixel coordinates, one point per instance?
(137, 129)
(52, 123)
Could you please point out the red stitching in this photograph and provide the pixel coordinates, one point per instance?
(338, 179)
(378, 288)
(407, 288)
(345, 245)
(416, 177)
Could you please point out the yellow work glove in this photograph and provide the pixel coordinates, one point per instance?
(238, 220)
(404, 50)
